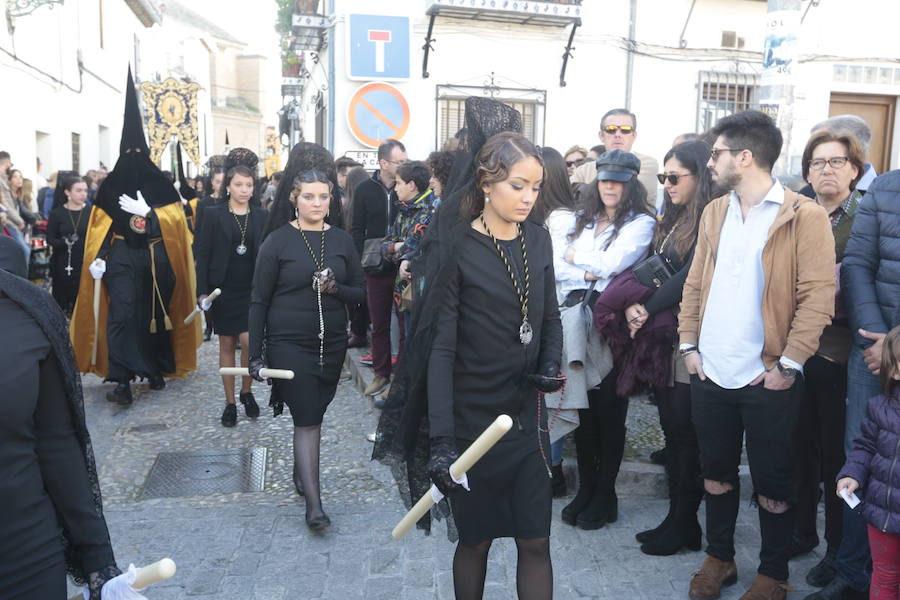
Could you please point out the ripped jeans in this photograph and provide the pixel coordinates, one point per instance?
(722, 418)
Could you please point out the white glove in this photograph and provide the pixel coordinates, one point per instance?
(119, 588)
(137, 207)
(97, 268)
(204, 303)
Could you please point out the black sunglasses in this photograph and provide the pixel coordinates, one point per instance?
(575, 163)
(672, 177)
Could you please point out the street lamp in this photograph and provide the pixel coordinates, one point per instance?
(20, 8)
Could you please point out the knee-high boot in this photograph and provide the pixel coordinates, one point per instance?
(586, 442)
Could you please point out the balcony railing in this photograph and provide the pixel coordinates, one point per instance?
(522, 12)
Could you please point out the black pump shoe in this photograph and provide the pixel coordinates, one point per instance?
(251, 408)
(121, 395)
(157, 382)
(319, 523)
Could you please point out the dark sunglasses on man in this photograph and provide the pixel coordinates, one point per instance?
(623, 129)
(575, 163)
(671, 177)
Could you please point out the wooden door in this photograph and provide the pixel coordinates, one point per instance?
(878, 112)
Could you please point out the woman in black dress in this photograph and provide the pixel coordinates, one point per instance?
(306, 273)
(226, 249)
(52, 517)
(498, 338)
(66, 232)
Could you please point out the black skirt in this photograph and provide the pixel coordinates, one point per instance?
(312, 389)
(231, 310)
(510, 493)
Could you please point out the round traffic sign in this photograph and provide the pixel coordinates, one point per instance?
(376, 112)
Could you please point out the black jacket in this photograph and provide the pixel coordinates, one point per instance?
(373, 211)
(213, 245)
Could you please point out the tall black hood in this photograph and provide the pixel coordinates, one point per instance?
(134, 170)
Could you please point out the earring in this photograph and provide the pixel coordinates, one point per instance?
(296, 214)
(487, 198)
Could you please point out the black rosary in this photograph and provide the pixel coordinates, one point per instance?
(317, 286)
(525, 330)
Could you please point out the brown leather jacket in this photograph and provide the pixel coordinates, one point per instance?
(798, 265)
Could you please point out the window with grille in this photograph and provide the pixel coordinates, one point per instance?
(723, 94)
(451, 109)
(76, 152)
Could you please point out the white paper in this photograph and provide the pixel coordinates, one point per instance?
(852, 500)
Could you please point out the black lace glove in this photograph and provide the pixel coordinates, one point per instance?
(97, 579)
(254, 366)
(443, 454)
(548, 379)
(327, 282)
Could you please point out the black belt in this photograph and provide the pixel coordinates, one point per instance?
(576, 297)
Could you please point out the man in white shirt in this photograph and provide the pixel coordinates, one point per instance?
(759, 293)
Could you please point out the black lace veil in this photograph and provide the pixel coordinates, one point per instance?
(305, 156)
(402, 440)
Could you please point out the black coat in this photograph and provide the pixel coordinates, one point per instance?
(373, 211)
(214, 244)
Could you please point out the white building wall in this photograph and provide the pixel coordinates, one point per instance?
(664, 89)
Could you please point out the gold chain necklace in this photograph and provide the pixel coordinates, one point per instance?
(526, 333)
(242, 247)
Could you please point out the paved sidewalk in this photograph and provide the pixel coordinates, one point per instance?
(256, 545)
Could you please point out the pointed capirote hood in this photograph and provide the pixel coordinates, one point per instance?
(133, 126)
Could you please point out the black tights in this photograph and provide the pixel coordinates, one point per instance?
(534, 571)
(306, 467)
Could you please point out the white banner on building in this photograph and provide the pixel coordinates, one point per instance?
(780, 50)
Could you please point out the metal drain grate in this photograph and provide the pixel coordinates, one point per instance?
(182, 474)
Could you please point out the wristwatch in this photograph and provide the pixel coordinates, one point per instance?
(685, 351)
(787, 372)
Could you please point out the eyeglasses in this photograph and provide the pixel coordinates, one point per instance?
(714, 153)
(672, 177)
(623, 129)
(393, 162)
(835, 162)
(575, 163)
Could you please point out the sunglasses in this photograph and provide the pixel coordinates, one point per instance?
(715, 152)
(623, 129)
(672, 177)
(575, 163)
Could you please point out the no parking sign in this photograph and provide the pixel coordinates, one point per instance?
(376, 112)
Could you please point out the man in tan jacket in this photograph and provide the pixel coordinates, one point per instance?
(618, 131)
(758, 295)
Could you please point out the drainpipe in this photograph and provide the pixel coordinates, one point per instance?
(332, 48)
(629, 68)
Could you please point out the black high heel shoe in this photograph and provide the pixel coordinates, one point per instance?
(319, 523)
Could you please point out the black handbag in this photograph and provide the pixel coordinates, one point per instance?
(372, 260)
(653, 271)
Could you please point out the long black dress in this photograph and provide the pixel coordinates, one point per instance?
(44, 484)
(62, 223)
(477, 371)
(284, 316)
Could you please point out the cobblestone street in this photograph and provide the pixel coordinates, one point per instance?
(256, 545)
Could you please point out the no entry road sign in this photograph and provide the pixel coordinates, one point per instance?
(378, 47)
(377, 111)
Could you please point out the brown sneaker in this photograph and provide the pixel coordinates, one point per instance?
(707, 583)
(378, 384)
(766, 588)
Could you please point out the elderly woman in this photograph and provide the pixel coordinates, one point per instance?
(832, 164)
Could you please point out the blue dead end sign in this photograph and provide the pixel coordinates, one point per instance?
(378, 47)
(376, 112)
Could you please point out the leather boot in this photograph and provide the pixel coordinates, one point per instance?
(714, 574)
(672, 482)
(604, 505)
(683, 530)
(766, 588)
(121, 395)
(586, 452)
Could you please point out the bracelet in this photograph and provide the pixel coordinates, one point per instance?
(689, 350)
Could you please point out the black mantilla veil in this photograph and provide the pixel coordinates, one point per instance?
(240, 157)
(402, 439)
(59, 193)
(305, 156)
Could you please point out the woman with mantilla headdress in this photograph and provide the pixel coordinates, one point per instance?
(486, 340)
(307, 272)
(138, 246)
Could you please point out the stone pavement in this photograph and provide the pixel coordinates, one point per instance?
(256, 546)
